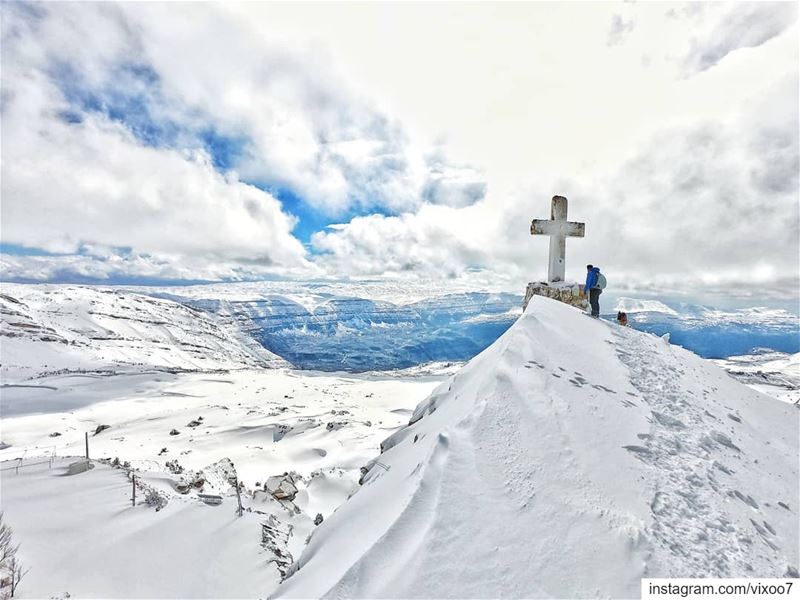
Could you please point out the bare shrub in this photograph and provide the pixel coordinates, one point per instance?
(11, 569)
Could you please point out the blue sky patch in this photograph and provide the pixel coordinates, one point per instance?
(225, 151)
(132, 97)
(310, 220)
(18, 250)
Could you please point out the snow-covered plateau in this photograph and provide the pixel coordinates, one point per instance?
(568, 459)
(183, 436)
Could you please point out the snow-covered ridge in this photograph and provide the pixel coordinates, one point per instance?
(47, 329)
(569, 459)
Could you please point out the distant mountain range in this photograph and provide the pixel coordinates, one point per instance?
(69, 328)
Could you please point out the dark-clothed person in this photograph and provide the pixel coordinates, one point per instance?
(592, 289)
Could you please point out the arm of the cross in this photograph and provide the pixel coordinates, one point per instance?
(574, 229)
(550, 227)
(543, 227)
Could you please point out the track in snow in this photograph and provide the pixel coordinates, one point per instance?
(693, 455)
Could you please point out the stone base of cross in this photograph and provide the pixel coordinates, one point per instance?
(559, 229)
(568, 293)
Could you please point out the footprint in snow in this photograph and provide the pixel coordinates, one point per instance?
(603, 388)
(637, 449)
(746, 499)
(723, 468)
(764, 534)
(724, 440)
(668, 421)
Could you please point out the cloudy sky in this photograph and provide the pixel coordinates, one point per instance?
(147, 142)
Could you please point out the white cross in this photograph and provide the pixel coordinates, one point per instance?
(558, 228)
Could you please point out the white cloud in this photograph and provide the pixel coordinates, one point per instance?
(709, 205)
(112, 265)
(741, 25)
(67, 184)
(305, 128)
(671, 128)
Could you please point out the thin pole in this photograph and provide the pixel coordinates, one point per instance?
(133, 489)
(86, 437)
(238, 496)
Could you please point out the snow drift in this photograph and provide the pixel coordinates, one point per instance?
(569, 459)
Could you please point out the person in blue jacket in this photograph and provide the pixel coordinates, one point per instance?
(592, 289)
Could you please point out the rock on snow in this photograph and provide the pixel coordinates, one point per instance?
(569, 459)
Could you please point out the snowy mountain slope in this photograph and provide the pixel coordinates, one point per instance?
(329, 332)
(376, 325)
(52, 328)
(774, 373)
(569, 459)
(635, 305)
(714, 333)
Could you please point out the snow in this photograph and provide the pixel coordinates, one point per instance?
(634, 305)
(355, 326)
(713, 333)
(312, 293)
(774, 373)
(361, 334)
(50, 328)
(266, 422)
(79, 534)
(569, 459)
(368, 325)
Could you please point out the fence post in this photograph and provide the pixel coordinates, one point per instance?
(86, 437)
(238, 496)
